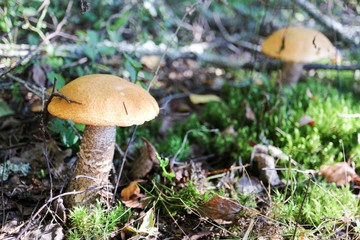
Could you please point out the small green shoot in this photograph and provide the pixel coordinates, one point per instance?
(163, 164)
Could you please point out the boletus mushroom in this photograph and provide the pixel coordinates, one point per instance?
(297, 46)
(103, 102)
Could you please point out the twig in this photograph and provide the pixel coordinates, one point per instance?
(175, 220)
(247, 233)
(30, 86)
(123, 163)
(302, 204)
(293, 169)
(2, 188)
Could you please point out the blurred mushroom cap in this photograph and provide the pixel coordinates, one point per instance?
(299, 45)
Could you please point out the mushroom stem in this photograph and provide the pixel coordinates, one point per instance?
(291, 73)
(93, 165)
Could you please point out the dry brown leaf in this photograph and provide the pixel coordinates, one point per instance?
(48, 232)
(151, 61)
(221, 208)
(38, 75)
(131, 189)
(144, 163)
(137, 201)
(339, 173)
(203, 98)
(309, 94)
(249, 114)
(229, 131)
(306, 120)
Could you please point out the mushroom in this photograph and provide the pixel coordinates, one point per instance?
(297, 46)
(103, 102)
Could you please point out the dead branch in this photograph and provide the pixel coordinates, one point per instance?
(75, 51)
(350, 34)
(39, 91)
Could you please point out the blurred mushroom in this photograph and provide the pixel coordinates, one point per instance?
(106, 101)
(297, 46)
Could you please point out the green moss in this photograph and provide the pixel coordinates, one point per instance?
(323, 204)
(96, 222)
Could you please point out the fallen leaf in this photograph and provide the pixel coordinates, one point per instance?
(151, 61)
(306, 120)
(201, 235)
(249, 114)
(59, 209)
(148, 223)
(131, 189)
(38, 75)
(36, 107)
(144, 162)
(49, 232)
(203, 98)
(249, 185)
(221, 209)
(340, 173)
(310, 95)
(229, 131)
(137, 201)
(5, 110)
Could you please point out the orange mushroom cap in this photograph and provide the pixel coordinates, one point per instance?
(106, 100)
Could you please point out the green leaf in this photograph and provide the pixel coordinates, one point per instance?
(147, 75)
(121, 21)
(106, 50)
(60, 80)
(93, 37)
(133, 62)
(67, 135)
(131, 70)
(91, 52)
(5, 110)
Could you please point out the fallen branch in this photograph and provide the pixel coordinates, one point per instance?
(76, 51)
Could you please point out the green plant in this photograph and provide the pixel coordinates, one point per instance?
(163, 164)
(323, 205)
(67, 134)
(96, 222)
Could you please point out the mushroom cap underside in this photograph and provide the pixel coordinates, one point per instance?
(104, 100)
